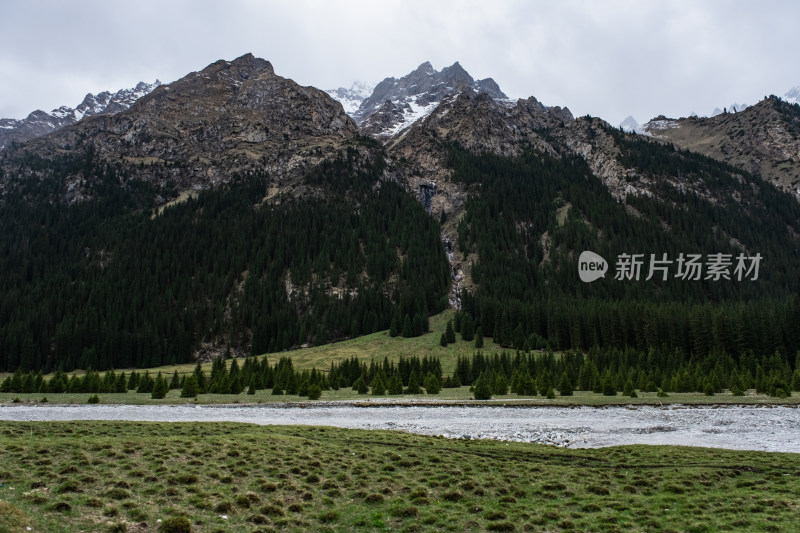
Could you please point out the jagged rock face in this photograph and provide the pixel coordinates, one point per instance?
(230, 117)
(40, 123)
(764, 139)
(395, 104)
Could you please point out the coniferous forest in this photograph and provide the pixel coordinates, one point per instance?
(111, 283)
(529, 296)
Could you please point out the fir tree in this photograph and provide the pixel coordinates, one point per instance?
(450, 333)
(565, 385)
(483, 391)
(467, 328)
(413, 384)
(408, 330)
(314, 392)
(395, 384)
(160, 388)
(479, 337)
(431, 384)
(190, 388)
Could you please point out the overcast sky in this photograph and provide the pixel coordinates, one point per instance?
(605, 58)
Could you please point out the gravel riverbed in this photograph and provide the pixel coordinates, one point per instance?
(766, 428)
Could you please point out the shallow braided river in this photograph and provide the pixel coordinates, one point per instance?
(767, 428)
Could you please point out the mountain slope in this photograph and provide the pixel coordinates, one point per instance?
(231, 117)
(39, 123)
(764, 139)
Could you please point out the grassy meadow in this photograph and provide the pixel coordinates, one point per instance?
(461, 395)
(119, 476)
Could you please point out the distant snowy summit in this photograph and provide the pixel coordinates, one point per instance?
(630, 124)
(40, 123)
(351, 98)
(396, 103)
(793, 96)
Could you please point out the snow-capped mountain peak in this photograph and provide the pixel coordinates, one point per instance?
(630, 124)
(41, 123)
(793, 95)
(351, 98)
(396, 103)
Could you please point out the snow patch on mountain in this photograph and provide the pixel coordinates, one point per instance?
(351, 98)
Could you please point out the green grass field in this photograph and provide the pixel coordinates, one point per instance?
(118, 476)
(375, 346)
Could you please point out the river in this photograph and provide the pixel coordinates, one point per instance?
(766, 428)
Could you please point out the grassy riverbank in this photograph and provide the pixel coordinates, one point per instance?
(446, 396)
(118, 476)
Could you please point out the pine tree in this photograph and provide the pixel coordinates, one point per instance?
(431, 384)
(628, 389)
(413, 384)
(450, 333)
(378, 384)
(393, 329)
(500, 385)
(360, 385)
(609, 388)
(483, 390)
(479, 337)
(467, 327)
(565, 385)
(443, 341)
(314, 392)
(160, 388)
(395, 384)
(176, 381)
(408, 330)
(190, 388)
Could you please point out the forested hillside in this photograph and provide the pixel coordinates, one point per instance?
(530, 217)
(109, 282)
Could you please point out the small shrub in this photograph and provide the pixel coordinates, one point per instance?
(328, 517)
(272, 510)
(93, 399)
(223, 507)
(62, 507)
(176, 524)
(374, 498)
(118, 494)
(597, 489)
(453, 496)
(501, 526)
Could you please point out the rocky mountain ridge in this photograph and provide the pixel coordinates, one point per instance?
(40, 123)
(763, 139)
(232, 117)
